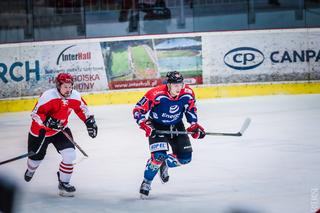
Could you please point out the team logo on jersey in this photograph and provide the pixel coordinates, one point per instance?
(155, 115)
(174, 109)
(64, 102)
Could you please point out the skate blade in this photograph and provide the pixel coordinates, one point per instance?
(164, 180)
(144, 197)
(66, 194)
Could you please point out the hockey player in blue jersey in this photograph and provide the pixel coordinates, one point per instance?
(162, 108)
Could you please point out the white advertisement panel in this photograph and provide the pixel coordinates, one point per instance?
(261, 56)
(30, 70)
(218, 57)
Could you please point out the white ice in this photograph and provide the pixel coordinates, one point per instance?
(273, 168)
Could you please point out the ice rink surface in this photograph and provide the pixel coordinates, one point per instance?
(273, 168)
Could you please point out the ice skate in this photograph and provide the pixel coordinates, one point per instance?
(65, 189)
(163, 173)
(28, 175)
(144, 189)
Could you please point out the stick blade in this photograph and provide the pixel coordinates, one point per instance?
(245, 125)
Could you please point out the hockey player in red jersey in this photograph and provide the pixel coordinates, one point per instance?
(49, 119)
(162, 108)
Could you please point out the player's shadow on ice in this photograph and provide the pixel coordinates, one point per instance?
(100, 202)
(164, 197)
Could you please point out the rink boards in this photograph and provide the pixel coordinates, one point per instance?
(202, 92)
(119, 70)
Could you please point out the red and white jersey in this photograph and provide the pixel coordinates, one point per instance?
(52, 104)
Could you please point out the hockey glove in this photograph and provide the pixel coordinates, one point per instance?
(53, 123)
(197, 131)
(147, 127)
(91, 126)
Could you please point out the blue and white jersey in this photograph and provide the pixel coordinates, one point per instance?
(159, 106)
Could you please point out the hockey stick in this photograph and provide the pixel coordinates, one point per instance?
(29, 154)
(74, 143)
(238, 134)
(18, 157)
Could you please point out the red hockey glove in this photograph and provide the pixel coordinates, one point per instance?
(147, 127)
(198, 131)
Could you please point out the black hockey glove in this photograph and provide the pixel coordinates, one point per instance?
(91, 126)
(53, 123)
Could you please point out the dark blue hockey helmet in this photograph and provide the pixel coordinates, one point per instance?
(174, 77)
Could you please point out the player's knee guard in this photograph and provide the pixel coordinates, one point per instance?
(68, 155)
(158, 157)
(178, 160)
(185, 158)
(172, 161)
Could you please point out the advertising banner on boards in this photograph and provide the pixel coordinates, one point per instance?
(144, 63)
(211, 58)
(262, 56)
(30, 70)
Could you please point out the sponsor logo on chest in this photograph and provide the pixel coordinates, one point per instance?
(174, 109)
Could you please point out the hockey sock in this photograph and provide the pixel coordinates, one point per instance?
(154, 164)
(65, 171)
(66, 165)
(33, 164)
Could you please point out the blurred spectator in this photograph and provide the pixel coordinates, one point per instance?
(156, 11)
(274, 2)
(8, 191)
(157, 17)
(130, 7)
